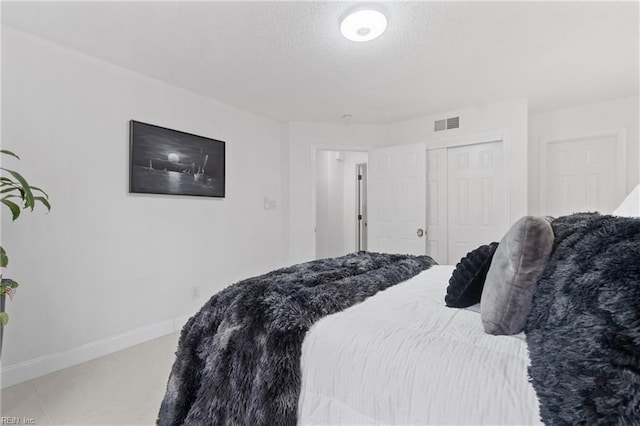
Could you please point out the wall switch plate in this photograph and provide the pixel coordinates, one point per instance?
(269, 204)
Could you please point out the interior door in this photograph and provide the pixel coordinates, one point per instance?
(476, 200)
(397, 199)
(437, 238)
(582, 174)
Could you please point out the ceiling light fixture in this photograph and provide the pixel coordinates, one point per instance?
(363, 24)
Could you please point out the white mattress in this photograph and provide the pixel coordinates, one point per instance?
(402, 357)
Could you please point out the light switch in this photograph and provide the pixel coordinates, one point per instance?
(269, 204)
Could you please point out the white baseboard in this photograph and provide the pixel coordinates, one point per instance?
(27, 370)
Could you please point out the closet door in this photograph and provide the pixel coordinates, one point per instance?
(437, 205)
(476, 202)
(466, 199)
(397, 200)
(583, 174)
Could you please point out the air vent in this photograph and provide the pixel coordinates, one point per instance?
(446, 124)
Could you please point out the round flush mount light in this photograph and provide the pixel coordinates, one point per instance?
(363, 24)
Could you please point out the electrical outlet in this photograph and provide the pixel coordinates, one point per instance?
(195, 292)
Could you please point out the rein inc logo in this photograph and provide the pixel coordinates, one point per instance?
(4, 420)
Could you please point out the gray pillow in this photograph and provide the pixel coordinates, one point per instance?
(511, 280)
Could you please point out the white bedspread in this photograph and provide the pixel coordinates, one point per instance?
(402, 357)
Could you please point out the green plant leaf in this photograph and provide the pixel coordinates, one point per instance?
(5, 151)
(8, 282)
(35, 188)
(44, 202)
(10, 189)
(6, 197)
(20, 197)
(15, 209)
(4, 318)
(4, 259)
(28, 195)
(10, 184)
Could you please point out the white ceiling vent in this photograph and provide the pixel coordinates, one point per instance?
(446, 124)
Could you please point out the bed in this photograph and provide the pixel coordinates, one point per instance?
(444, 368)
(374, 338)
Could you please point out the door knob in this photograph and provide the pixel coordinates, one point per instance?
(420, 232)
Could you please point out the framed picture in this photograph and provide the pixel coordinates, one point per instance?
(165, 161)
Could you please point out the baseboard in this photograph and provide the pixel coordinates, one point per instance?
(27, 370)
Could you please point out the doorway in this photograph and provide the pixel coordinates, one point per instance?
(341, 202)
(361, 207)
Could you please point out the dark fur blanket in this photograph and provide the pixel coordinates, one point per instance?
(238, 359)
(584, 329)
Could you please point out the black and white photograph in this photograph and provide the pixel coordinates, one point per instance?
(166, 161)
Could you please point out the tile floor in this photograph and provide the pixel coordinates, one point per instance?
(124, 388)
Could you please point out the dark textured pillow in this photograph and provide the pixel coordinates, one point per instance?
(567, 226)
(511, 281)
(583, 333)
(467, 280)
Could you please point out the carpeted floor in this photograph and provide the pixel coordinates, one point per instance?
(124, 388)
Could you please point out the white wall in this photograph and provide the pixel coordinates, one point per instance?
(302, 140)
(613, 115)
(506, 120)
(105, 263)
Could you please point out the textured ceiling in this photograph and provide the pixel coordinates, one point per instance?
(287, 60)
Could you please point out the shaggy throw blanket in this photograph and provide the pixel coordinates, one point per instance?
(584, 329)
(238, 359)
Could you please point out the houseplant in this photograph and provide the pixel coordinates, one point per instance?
(17, 195)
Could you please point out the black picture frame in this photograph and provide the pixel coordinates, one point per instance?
(166, 161)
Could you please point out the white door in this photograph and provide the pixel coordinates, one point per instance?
(437, 205)
(397, 199)
(476, 197)
(466, 195)
(582, 174)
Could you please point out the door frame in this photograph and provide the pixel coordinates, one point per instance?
(621, 160)
(314, 199)
(362, 205)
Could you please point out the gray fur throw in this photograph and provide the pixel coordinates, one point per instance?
(238, 359)
(583, 331)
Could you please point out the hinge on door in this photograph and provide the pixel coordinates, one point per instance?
(359, 177)
(359, 217)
